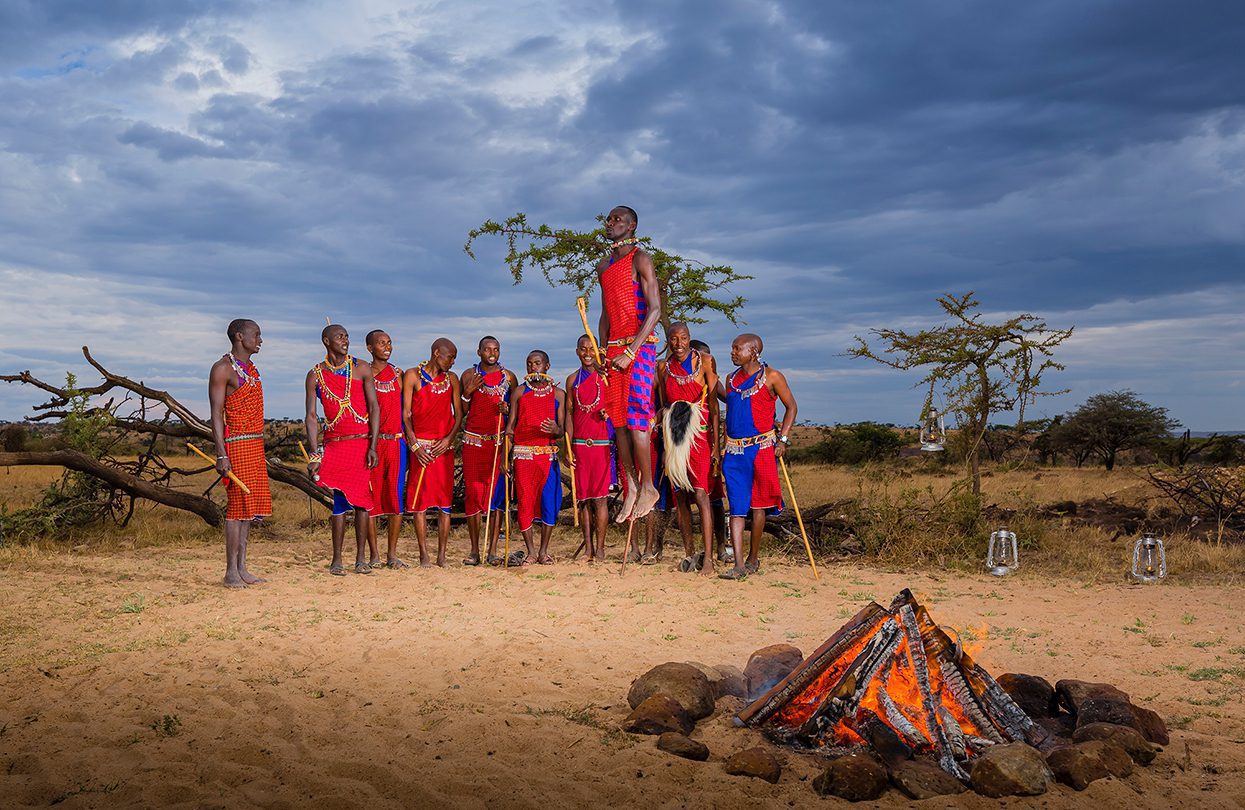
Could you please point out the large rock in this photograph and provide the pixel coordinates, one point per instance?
(733, 681)
(657, 715)
(715, 677)
(1014, 769)
(920, 779)
(1071, 693)
(769, 665)
(1081, 763)
(1151, 726)
(1033, 694)
(1107, 710)
(756, 762)
(1127, 738)
(857, 777)
(681, 745)
(682, 682)
(1059, 726)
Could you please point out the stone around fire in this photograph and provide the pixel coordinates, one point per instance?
(1014, 769)
(769, 665)
(857, 777)
(682, 682)
(756, 762)
(657, 715)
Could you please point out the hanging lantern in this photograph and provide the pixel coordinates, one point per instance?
(1003, 553)
(933, 432)
(1149, 559)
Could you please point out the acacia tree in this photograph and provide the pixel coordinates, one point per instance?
(1114, 421)
(565, 256)
(979, 368)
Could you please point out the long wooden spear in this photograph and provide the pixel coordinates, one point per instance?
(596, 348)
(783, 463)
(507, 549)
(230, 474)
(570, 460)
(492, 481)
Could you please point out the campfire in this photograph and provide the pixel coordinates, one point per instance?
(893, 680)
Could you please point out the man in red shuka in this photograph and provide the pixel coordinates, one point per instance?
(486, 388)
(537, 415)
(352, 424)
(431, 416)
(590, 433)
(389, 474)
(631, 311)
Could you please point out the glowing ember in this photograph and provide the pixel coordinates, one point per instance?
(891, 676)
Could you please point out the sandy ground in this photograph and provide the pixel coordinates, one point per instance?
(132, 678)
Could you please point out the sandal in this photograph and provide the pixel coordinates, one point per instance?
(395, 564)
(471, 561)
(362, 568)
(337, 570)
(633, 556)
(734, 574)
(545, 560)
(752, 567)
(517, 558)
(686, 564)
(493, 559)
(649, 558)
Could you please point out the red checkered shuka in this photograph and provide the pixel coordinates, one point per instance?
(629, 398)
(590, 424)
(244, 444)
(531, 469)
(387, 483)
(344, 467)
(481, 452)
(432, 418)
(686, 382)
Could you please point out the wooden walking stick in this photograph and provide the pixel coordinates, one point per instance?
(229, 474)
(307, 460)
(596, 348)
(627, 546)
(507, 474)
(570, 459)
(783, 463)
(492, 481)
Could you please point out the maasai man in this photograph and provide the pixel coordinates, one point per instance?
(236, 397)
(352, 426)
(686, 386)
(431, 416)
(389, 474)
(631, 309)
(486, 387)
(591, 436)
(717, 489)
(750, 464)
(537, 416)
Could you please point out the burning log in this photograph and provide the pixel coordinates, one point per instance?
(893, 668)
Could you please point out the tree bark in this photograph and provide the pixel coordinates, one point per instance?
(137, 487)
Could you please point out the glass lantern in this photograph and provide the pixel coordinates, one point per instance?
(1149, 559)
(1003, 553)
(933, 432)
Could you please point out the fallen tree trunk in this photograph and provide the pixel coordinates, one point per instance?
(120, 479)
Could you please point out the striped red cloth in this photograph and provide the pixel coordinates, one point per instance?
(244, 444)
(629, 399)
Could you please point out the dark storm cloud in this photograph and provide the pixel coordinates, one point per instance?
(857, 159)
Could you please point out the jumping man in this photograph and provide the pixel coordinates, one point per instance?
(431, 416)
(236, 397)
(750, 464)
(344, 386)
(389, 474)
(486, 386)
(631, 310)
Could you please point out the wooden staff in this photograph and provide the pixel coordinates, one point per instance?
(627, 546)
(783, 463)
(506, 564)
(492, 481)
(596, 349)
(570, 458)
(229, 474)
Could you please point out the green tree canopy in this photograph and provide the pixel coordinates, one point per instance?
(1111, 422)
(565, 256)
(979, 368)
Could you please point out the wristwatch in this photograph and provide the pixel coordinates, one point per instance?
(783, 438)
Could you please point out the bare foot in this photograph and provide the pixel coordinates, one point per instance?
(249, 578)
(624, 514)
(441, 561)
(235, 582)
(646, 501)
(707, 569)
(425, 564)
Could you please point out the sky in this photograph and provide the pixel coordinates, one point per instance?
(168, 165)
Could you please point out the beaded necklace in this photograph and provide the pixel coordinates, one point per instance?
(584, 375)
(539, 391)
(683, 379)
(343, 402)
(630, 240)
(437, 388)
(388, 386)
(246, 373)
(501, 389)
(752, 389)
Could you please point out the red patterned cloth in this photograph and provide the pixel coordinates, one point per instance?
(686, 382)
(389, 474)
(481, 452)
(629, 398)
(344, 467)
(244, 444)
(535, 454)
(432, 418)
(592, 437)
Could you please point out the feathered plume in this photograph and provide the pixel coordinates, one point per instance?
(681, 430)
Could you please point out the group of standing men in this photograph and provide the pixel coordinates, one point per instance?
(386, 444)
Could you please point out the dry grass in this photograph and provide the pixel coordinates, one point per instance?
(892, 493)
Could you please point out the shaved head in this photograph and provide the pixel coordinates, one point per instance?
(443, 343)
(330, 329)
(754, 340)
(678, 326)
